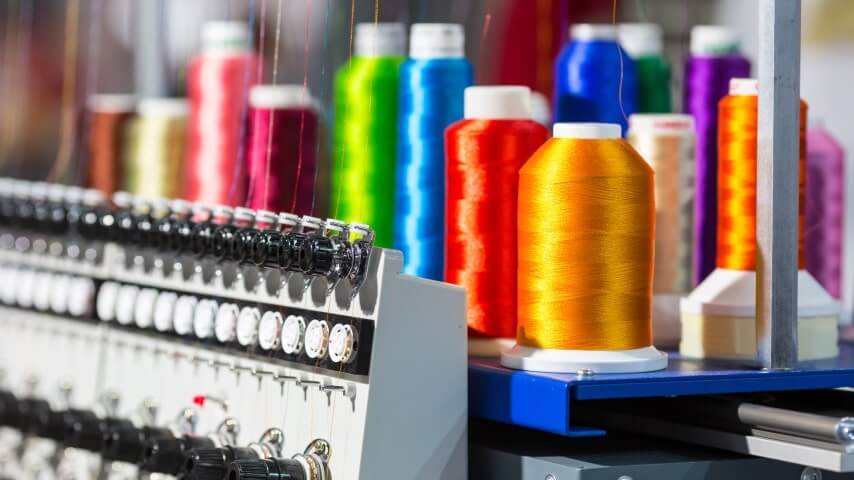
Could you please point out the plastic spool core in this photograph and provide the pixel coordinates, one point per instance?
(225, 37)
(111, 103)
(105, 304)
(164, 107)
(744, 86)
(587, 131)
(662, 123)
(593, 31)
(380, 40)
(280, 96)
(436, 40)
(640, 39)
(714, 40)
(498, 102)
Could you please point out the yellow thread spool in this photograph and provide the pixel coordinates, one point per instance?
(586, 224)
(155, 148)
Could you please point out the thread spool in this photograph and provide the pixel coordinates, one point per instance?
(364, 141)
(485, 152)
(643, 43)
(719, 316)
(432, 82)
(715, 60)
(588, 76)
(218, 81)
(281, 148)
(109, 117)
(666, 142)
(825, 209)
(155, 156)
(586, 243)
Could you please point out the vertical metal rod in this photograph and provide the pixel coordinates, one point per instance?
(777, 182)
(149, 65)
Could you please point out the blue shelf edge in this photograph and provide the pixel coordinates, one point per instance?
(543, 401)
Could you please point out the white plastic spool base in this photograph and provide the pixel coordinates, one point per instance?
(490, 347)
(646, 359)
(719, 318)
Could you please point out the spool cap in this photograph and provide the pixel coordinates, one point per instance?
(498, 102)
(280, 96)
(714, 40)
(593, 31)
(640, 39)
(225, 36)
(744, 86)
(437, 40)
(111, 103)
(662, 123)
(164, 107)
(380, 40)
(588, 131)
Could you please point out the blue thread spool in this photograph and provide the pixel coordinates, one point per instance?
(432, 83)
(587, 78)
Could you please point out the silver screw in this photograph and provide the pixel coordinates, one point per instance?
(811, 473)
(584, 372)
(550, 477)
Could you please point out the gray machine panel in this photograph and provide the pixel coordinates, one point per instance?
(497, 452)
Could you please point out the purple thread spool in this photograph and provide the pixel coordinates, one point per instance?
(714, 60)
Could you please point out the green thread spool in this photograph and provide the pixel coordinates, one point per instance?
(642, 41)
(155, 143)
(364, 135)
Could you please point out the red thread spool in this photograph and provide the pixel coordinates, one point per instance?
(485, 152)
(282, 149)
(218, 81)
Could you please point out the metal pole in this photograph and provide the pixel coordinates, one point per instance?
(777, 182)
(149, 62)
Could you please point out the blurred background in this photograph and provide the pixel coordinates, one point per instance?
(143, 47)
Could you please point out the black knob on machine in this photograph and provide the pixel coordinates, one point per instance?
(165, 234)
(42, 214)
(294, 242)
(267, 468)
(167, 455)
(124, 442)
(223, 242)
(7, 211)
(267, 249)
(145, 232)
(243, 245)
(49, 423)
(202, 239)
(24, 214)
(181, 239)
(124, 229)
(90, 226)
(9, 411)
(29, 413)
(317, 255)
(212, 463)
(57, 222)
(84, 430)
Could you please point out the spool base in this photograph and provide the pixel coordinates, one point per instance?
(719, 318)
(645, 359)
(666, 325)
(489, 347)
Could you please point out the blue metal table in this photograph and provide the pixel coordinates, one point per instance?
(544, 401)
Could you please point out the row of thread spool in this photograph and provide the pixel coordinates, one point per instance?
(714, 61)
